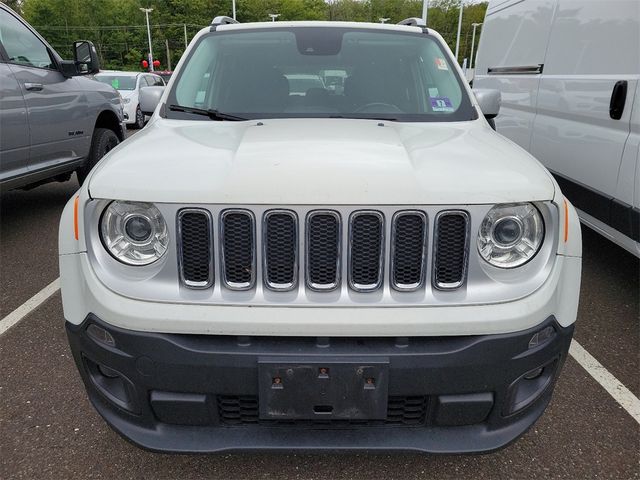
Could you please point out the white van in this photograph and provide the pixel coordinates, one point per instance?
(568, 72)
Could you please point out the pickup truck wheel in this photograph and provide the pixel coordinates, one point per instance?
(102, 142)
(139, 118)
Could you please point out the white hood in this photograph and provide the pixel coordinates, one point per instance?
(320, 162)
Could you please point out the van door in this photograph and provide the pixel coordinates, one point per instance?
(592, 64)
(56, 107)
(511, 58)
(14, 128)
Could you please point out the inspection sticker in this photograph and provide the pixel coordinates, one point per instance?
(441, 104)
(441, 64)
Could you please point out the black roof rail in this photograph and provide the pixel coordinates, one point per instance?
(413, 22)
(223, 20)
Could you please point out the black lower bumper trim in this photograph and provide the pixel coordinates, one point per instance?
(199, 393)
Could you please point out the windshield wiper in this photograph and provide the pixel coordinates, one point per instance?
(359, 117)
(211, 113)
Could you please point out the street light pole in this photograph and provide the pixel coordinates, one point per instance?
(233, 6)
(459, 29)
(274, 16)
(147, 11)
(384, 20)
(425, 7)
(473, 43)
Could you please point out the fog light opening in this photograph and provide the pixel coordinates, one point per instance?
(100, 335)
(108, 372)
(542, 336)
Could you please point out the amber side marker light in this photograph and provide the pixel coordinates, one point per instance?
(75, 217)
(566, 221)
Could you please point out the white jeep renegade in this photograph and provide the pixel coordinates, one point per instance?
(318, 242)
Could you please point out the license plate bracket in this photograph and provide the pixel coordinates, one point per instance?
(308, 389)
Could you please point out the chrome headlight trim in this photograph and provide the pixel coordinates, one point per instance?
(527, 228)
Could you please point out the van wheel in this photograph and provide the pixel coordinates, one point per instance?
(139, 118)
(102, 142)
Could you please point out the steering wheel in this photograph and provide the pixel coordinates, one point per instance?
(378, 107)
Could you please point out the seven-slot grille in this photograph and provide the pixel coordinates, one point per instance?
(319, 235)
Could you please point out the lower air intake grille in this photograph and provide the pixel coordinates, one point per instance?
(408, 245)
(243, 410)
(280, 250)
(323, 250)
(450, 264)
(238, 249)
(237, 410)
(367, 240)
(196, 248)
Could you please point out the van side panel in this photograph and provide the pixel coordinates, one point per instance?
(592, 46)
(514, 35)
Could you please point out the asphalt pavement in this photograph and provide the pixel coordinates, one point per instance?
(48, 429)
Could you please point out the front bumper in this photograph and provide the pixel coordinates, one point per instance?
(201, 393)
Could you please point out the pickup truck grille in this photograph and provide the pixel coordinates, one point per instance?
(318, 248)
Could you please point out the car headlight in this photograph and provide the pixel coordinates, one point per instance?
(134, 233)
(510, 235)
(126, 100)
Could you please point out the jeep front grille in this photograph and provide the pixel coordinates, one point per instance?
(287, 245)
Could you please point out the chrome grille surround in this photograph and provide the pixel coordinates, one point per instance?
(207, 244)
(395, 284)
(439, 251)
(310, 243)
(355, 262)
(160, 281)
(267, 269)
(226, 254)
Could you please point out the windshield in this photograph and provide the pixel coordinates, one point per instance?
(119, 82)
(321, 72)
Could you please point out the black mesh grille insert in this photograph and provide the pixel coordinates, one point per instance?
(238, 245)
(281, 240)
(366, 249)
(196, 248)
(323, 248)
(243, 410)
(451, 245)
(409, 232)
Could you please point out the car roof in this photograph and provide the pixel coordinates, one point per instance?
(325, 24)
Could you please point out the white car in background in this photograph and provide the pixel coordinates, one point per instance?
(128, 84)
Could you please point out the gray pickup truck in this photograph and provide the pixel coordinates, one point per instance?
(54, 120)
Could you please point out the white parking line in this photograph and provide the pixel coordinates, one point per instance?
(611, 384)
(29, 306)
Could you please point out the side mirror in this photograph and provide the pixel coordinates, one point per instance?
(85, 60)
(149, 99)
(489, 102)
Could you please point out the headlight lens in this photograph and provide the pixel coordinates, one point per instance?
(134, 233)
(510, 235)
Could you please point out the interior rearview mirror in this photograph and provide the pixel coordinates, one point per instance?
(149, 99)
